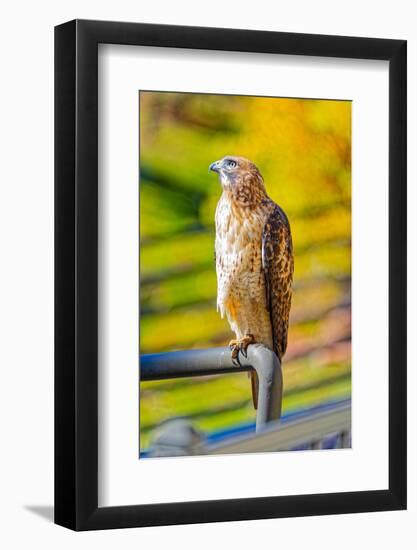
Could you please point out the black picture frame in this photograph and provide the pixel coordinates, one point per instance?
(76, 272)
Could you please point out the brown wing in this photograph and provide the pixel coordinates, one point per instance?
(278, 266)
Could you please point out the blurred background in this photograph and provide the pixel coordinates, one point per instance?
(303, 149)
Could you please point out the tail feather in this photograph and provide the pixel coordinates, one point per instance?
(255, 387)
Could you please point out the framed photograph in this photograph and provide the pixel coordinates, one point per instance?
(230, 255)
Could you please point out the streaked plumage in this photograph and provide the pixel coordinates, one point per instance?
(254, 259)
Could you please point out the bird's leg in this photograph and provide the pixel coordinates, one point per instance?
(241, 345)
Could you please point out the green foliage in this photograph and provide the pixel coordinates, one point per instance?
(303, 149)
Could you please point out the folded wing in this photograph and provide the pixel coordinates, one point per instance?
(278, 267)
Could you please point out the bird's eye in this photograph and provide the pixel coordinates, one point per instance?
(231, 164)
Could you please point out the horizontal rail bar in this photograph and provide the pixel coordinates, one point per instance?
(202, 362)
(195, 362)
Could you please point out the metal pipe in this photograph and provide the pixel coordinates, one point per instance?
(202, 362)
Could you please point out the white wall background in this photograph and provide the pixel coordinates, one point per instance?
(26, 289)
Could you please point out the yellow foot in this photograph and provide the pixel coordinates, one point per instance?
(241, 346)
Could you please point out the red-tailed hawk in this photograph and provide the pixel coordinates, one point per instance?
(254, 260)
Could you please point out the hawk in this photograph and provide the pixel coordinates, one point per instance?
(254, 260)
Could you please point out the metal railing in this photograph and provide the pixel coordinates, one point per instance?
(203, 362)
(308, 432)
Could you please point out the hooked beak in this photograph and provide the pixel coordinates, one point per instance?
(215, 166)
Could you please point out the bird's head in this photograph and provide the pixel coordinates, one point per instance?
(240, 178)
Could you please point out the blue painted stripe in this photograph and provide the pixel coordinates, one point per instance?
(295, 414)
